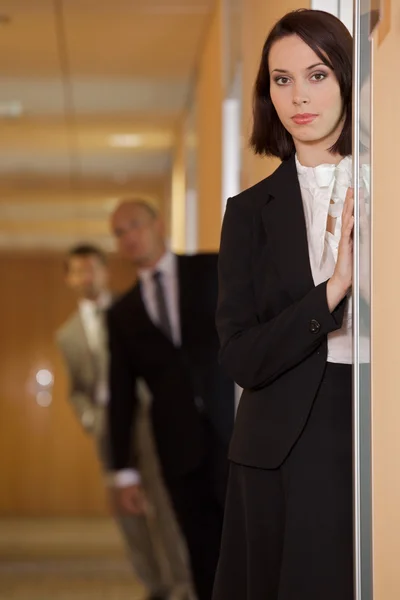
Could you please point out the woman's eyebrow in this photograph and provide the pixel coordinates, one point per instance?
(307, 69)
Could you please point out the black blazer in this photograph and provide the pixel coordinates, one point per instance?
(272, 320)
(187, 383)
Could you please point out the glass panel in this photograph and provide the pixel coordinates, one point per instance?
(366, 17)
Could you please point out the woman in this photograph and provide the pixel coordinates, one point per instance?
(284, 322)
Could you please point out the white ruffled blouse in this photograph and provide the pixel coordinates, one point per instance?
(323, 190)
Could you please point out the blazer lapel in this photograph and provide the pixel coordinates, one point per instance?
(284, 222)
(139, 315)
(80, 355)
(143, 320)
(78, 332)
(139, 312)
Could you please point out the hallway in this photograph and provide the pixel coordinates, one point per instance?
(61, 559)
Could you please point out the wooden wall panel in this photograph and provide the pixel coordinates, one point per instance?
(385, 307)
(209, 100)
(47, 463)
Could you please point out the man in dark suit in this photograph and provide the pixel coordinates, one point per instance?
(163, 331)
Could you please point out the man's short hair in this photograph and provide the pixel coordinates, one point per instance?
(148, 205)
(83, 251)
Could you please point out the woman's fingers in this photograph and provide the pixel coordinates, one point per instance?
(347, 230)
(350, 226)
(349, 195)
(346, 239)
(349, 200)
(348, 209)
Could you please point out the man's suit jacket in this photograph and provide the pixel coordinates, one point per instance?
(84, 373)
(272, 320)
(186, 382)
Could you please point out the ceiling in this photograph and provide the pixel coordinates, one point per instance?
(91, 92)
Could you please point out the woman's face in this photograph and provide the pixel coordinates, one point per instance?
(305, 93)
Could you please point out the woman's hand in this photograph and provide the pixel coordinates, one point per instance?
(342, 278)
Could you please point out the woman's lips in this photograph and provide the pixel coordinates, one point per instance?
(304, 118)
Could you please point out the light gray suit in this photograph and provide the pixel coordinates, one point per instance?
(158, 556)
(84, 370)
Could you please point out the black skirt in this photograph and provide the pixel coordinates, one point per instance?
(288, 532)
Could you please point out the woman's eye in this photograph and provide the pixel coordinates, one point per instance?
(282, 80)
(318, 76)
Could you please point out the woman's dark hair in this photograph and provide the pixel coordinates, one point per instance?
(333, 44)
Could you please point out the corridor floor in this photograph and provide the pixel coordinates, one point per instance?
(64, 559)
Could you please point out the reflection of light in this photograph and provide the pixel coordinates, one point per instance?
(44, 399)
(44, 377)
(126, 140)
(10, 110)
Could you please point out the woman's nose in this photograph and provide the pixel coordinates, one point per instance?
(300, 100)
(300, 96)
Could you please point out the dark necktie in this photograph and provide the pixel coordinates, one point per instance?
(162, 310)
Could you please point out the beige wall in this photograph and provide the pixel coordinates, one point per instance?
(258, 18)
(209, 94)
(178, 194)
(386, 323)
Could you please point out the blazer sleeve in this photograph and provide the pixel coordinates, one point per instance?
(89, 415)
(256, 353)
(122, 406)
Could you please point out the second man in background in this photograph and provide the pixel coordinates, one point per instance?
(163, 330)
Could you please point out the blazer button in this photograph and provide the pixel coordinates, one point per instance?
(199, 403)
(314, 326)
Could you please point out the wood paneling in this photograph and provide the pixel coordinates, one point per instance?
(48, 465)
(386, 323)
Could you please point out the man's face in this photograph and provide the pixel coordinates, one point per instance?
(87, 276)
(139, 234)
